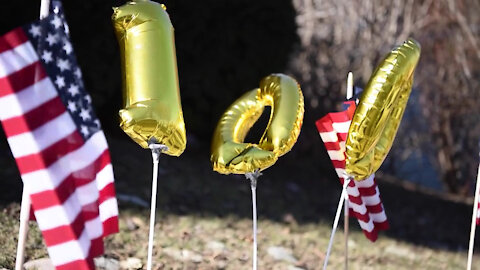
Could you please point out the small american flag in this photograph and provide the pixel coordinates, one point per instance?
(364, 197)
(56, 139)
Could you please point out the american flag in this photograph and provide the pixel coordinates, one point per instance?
(56, 139)
(364, 197)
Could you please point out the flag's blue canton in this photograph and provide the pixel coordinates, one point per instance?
(50, 38)
(357, 91)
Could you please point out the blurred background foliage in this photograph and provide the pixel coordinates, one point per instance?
(225, 47)
(439, 136)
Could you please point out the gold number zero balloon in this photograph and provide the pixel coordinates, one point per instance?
(152, 107)
(380, 111)
(230, 154)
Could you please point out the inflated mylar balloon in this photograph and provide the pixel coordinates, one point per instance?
(152, 108)
(230, 154)
(380, 111)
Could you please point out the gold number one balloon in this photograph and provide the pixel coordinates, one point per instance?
(152, 109)
(380, 111)
(152, 114)
(230, 154)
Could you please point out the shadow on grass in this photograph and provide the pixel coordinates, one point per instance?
(296, 186)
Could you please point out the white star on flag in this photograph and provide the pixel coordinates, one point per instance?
(35, 30)
(78, 73)
(88, 99)
(47, 56)
(51, 39)
(85, 115)
(84, 130)
(60, 81)
(73, 89)
(56, 22)
(63, 64)
(71, 106)
(67, 47)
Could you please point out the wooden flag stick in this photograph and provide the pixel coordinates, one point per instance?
(26, 204)
(23, 231)
(346, 228)
(44, 8)
(346, 209)
(349, 85)
(474, 222)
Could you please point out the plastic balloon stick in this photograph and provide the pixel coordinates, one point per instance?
(253, 177)
(335, 221)
(474, 222)
(157, 149)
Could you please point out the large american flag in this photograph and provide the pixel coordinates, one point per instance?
(56, 139)
(364, 197)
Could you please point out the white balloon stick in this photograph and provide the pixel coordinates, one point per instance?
(157, 149)
(335, 221)
(253, 177)
(474, 222)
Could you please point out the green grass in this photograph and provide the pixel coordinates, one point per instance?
(209, 242)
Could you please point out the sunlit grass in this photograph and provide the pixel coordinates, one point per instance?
(209, 242)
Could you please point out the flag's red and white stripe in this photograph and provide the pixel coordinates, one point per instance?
(364, 197)
(70, 180)
(478, 214)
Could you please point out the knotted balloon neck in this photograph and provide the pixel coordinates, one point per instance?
(253, 177)
(348, 178)
(156, 148)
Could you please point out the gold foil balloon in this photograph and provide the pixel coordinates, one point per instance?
(380, 111)
(230, 154)
(152, 108)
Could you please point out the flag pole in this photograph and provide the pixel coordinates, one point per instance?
(474, 222)
(44, 8)
(346, 209)
(23, 231)
(335, 221)
(349, 85)
(26, 204)
(157, 149)
(253, 177)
